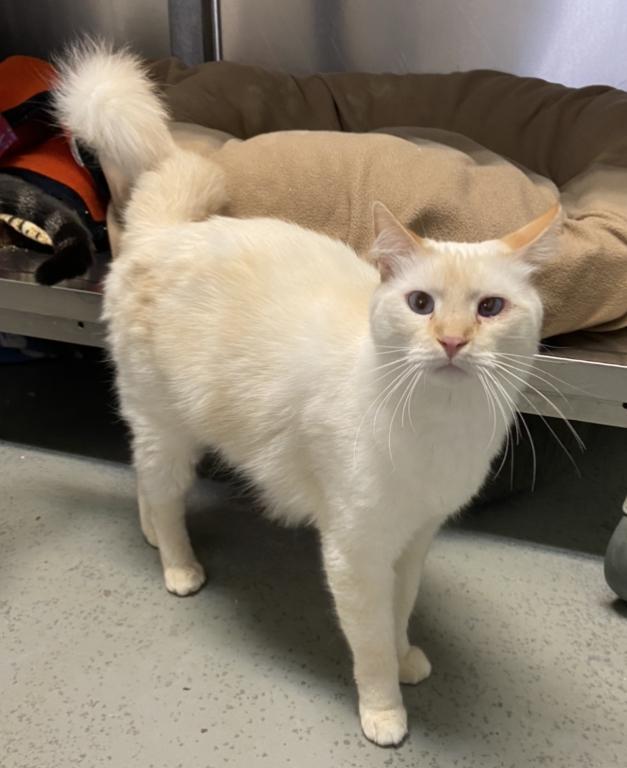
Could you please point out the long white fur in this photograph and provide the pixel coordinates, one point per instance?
(284, 351)
(105, 99)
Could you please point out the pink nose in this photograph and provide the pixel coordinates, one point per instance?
(452, 344)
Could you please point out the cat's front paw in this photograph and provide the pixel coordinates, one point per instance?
(184, 580)
(386, 727)
(414, 667)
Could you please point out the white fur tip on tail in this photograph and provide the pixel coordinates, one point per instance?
(106, 100)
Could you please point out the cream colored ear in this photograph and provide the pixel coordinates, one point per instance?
(532, 233)
(393, 242)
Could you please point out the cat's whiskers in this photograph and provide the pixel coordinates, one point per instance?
(503, 368)
(398, 374)
(532, 405)
(511, 420)
(520, 360)
(518, 417)
(403, 371)
(529, 369)
(410, 393)
(384, 349)
(389, 390)
(382, 405)
(391, 365)
(499, 405)
(531, 374)
(509, 402)
(412, 372)
(490, 402)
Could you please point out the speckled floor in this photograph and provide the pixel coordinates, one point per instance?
(101, 667)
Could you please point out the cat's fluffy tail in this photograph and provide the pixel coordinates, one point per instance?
(183, 187)
(106, 100)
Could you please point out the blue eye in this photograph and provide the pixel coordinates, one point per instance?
(420, 302)
(491, 306)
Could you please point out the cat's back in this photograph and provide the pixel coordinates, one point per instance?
(260, 246)
(251, 276)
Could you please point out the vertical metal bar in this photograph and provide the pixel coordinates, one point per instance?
(195, 30)
(215, 30)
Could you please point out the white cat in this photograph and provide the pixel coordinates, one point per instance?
(368, 399)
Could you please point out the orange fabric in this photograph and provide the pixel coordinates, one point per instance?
(38, 147)
(21, 78)
(53, 159)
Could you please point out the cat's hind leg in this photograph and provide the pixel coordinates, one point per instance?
(165, 471)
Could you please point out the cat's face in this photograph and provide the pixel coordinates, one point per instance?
(455, 307)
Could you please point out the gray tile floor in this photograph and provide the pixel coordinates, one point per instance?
(101, 667)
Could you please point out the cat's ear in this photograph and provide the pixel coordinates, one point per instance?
(536, 242)
(393, 243)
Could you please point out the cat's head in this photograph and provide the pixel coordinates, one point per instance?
(453, 307)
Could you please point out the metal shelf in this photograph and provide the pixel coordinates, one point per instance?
(67, 312)
(592, 365)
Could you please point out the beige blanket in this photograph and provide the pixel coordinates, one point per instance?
(441, 184)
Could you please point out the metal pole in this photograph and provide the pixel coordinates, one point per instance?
(215, 28)
(195, 30)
